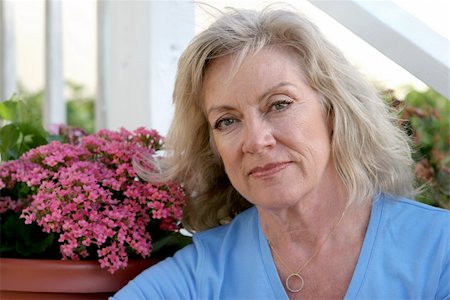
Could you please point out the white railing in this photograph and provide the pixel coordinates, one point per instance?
(139, 43)
(54, 109)
(7, 50)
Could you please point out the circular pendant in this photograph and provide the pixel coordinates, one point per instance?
(302, 283)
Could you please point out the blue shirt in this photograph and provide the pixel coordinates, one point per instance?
(405, 255)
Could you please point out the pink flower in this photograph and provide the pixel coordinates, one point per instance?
(89, 194)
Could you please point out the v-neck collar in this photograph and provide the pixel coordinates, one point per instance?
(361, 266)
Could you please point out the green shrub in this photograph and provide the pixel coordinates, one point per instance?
(426, 117)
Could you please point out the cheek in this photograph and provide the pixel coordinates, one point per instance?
(291, 130)
(224, 152)
(226, 144)
(230, 159)
(305, 135)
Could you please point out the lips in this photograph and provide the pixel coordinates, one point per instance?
(268, 169)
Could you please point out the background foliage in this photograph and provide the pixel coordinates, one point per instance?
(79, 105)
(425, 116)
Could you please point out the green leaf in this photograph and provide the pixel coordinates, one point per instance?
(9, 142)
(18, 138)
(9, 109)
(33, 129)
(33, 245)
(25, 239)
(170, 244)
(24, 131)
(6, 248)
(34, 136)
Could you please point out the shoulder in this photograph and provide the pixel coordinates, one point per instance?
(406, 251)
(410, 211)
(413, 226)
(241, 227)
(414, 205)
(197, 270)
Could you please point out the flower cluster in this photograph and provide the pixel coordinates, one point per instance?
(89, 195)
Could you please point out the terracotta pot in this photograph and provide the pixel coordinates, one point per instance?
(63, 279)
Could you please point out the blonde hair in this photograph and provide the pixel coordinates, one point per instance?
(371, 153)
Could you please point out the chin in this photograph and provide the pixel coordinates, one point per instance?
(279, 202)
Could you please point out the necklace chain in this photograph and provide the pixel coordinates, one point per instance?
(297, 275)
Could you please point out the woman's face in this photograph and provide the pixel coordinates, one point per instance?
(269, 128)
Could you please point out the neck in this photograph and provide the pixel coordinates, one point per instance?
(310, 220)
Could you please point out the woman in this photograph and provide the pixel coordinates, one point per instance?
(297, 176)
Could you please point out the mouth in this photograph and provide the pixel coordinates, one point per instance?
(268, 170)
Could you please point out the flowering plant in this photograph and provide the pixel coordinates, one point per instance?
(83, 199)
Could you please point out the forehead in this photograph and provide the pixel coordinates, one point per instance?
(225, 78)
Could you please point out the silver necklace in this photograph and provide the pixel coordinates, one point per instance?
(297, 275)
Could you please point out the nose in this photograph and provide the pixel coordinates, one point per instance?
(258, 136)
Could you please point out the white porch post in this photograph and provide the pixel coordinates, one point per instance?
(139, 43)
(398, 35)
(54, 108)
(8, 83)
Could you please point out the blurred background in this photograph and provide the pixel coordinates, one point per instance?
(111, 63)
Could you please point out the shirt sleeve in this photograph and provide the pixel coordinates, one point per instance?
(173, 278)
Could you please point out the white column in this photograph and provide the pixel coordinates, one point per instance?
(123, 71)
(172, 27)
(54, 108)
(139, 43)
(8, 82)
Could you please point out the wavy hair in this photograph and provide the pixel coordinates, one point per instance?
(371, 152)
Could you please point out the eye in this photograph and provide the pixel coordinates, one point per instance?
(224, 123)
(280, 105)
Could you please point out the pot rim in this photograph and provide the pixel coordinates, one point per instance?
(66, 276)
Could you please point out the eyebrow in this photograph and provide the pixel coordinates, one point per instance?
(219, 108)
(275, 87)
